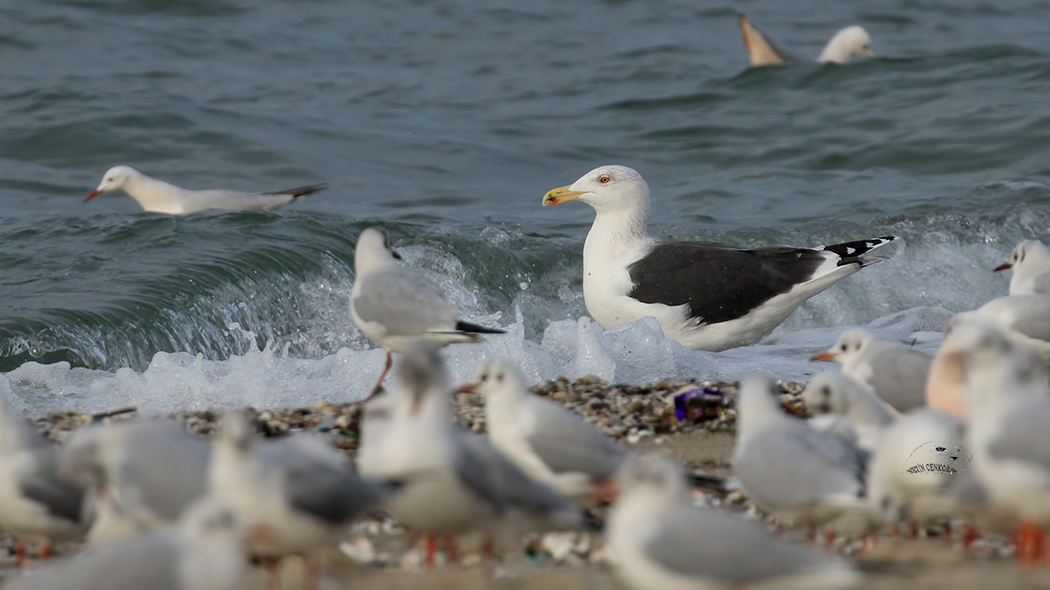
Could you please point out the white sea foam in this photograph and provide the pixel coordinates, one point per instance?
(633, 353)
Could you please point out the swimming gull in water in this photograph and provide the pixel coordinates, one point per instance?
(396, 307)
(451, 481)
(142, 474)
(203, 553)
(846, 44)
(662, 542)
(547, 441)
(1030, 262)
(804, 476)
(35, 501)
(838, 393)
(706, 296)
(161, 197)
(896, 372)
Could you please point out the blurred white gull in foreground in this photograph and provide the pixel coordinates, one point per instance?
(895, 372)
(662, 542)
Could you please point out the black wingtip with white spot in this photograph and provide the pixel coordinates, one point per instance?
(851, 252)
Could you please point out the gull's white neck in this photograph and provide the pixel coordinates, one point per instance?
(617, 233)
(754, 413)
(155, 195)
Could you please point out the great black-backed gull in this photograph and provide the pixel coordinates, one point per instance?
(705, 295)
(397, 307)
(846, 44)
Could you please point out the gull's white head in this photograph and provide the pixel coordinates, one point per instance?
(116, 178)
(846, 44)
(994, 366)
(496, 379)
(374, 250)
(826, 393)
(1028, 257)
(659, 478)
(608, 188)
(851, 345)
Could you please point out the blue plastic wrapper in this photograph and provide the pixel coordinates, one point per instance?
(697, 404)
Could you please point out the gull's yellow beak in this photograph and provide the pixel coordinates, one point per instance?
(557, 195)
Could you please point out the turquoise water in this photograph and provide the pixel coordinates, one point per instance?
(446, 122)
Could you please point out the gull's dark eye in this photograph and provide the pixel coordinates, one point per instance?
(109, 180)
(604, 179)
(844, 347)
(826, 391)
(485, 377)
(940, 449)
(499, 377)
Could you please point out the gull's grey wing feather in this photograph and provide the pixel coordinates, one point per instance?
(1027, 314)
(142, 562)
(41, 483)
(163, 466)
(702, 542)
(1023, 435)
(499, 481)
(899, 377)
(789, 467)
(319, 485)
(567, 443)
(223, 199)
(404, 302)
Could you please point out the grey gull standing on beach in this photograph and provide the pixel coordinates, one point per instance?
(895, 372)
(203, 553)
(35, 501)
(396, 307)
(706, 296)
(1030, 262)
(662, 542)
(451, 481)
(143, 474)
(161, 197)
(292, 495)
(804, 476)
(547, 441)
(846, 44)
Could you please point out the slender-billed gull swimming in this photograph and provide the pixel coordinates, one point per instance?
(705, 295)
(846, 44)
(161, 197)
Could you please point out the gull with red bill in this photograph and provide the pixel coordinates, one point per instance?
(158, 196)
(1030, 262)
(896, 372)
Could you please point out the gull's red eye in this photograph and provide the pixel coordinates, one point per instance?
(604, 179)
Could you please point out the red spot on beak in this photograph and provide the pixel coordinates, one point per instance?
(92, 195)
